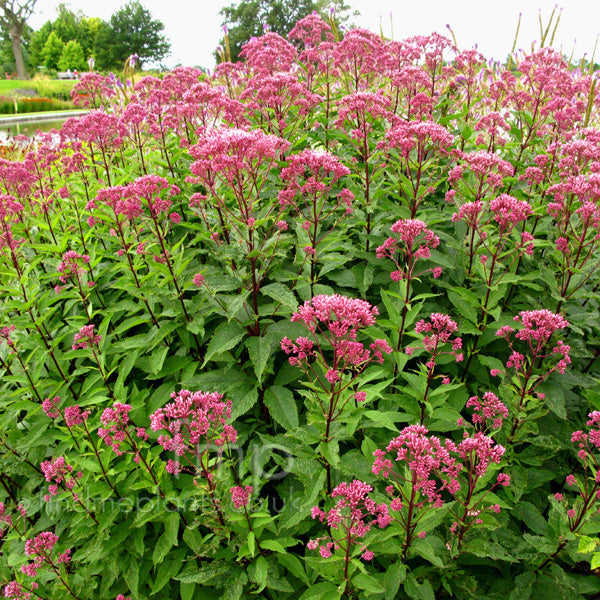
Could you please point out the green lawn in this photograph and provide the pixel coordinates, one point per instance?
(47, 88)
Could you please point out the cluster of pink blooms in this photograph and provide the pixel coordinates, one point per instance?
(234, 154)
(193, 420)
(415, 242)
(588, 441)
(6, 517)
(58, 472)
(538, 328)
(40, 549)
(10, 211)
(432, 465)
(115, 423)
(436, 331)
(353, 516)
(70, 267)
(507, 211)
(312, 174)
(426, 137)
(488, 409)
(73, 415)
(240, 496)
(589, 491)
(5, 335)
(86, 337)
(15, 591)
(337, 319)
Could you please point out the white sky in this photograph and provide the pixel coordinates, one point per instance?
(193, 26)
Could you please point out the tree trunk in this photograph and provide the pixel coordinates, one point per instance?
(15, 36)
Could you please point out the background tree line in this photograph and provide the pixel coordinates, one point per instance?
(72, 38)
(69, 41)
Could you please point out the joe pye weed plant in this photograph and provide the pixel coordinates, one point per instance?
(320, 325)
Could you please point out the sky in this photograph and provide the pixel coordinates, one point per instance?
(194, 26)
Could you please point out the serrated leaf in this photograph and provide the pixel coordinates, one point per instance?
(225, 337)
(282, 294)
(259, 349)
(282, 406)
(322, 591)
(419, 591)
(394, 577)
(368, 583)
(465, 302)
(258, 573)
(172, 528)
(161, 549)
(157, 359)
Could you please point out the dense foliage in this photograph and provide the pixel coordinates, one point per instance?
(322, 325)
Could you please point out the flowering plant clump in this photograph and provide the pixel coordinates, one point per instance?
(349, 521)
(370, 270)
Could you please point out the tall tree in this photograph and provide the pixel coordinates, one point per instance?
(131, 30)
(14, 19)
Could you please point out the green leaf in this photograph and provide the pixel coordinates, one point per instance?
(258, 573)
(523, 586)
(394, 576)
(322, 591)
(282, 406)
(187, 590)
(293, 564)
(281, 294)
(465, 302)
(586, 544)
(168, 539)
(131, 575)
(531, 516)
(251, 541)
(225, 337)
(368, 583)
(259, 349)
(234, 590)
(158, 358)
(418, 591)
(423, 548)
(245, 403)
(172, 527)
(166, 572)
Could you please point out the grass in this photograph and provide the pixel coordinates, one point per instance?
(47, 88)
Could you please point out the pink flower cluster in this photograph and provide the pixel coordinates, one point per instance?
(436, 331)
(40, 549)
(240, 496)
(538, 328)
(86, 337)
(59, 472)
(425, 456)
(353, 515)
(435, 465)
(337, 318)
(15, 591)
(73, 415)
(415, 243)
(192, 420)
(69, 266)
(312, 174)
(115, 422)
(588, 441)
(488, 409)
